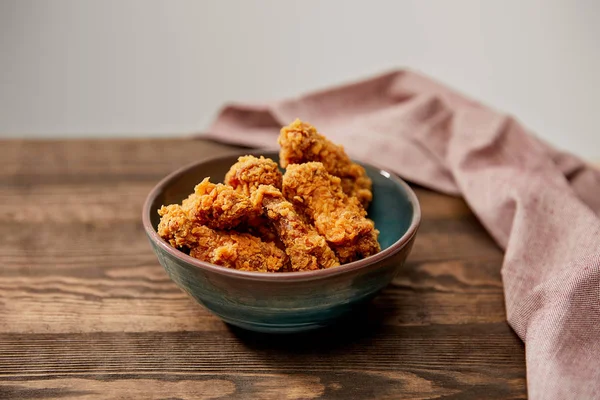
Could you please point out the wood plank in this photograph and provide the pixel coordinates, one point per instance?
(341, 384)
(26, 163)
(421, 362)
(142, 298)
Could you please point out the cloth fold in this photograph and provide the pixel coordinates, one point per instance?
(542, 206)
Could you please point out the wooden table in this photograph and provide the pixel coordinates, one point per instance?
(87, 312)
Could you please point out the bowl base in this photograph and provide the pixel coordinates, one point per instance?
(274, 329)
(334, 317)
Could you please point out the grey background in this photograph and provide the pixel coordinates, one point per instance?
(158, 68)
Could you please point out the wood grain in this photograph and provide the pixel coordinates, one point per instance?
(87, 312)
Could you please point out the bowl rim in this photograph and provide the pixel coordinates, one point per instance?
(279, 276)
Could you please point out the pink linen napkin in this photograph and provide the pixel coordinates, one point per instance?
(540, 205)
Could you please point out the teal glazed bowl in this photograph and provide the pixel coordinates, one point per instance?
(288, 301)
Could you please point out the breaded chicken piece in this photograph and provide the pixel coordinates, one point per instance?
(232, 250)
(339, 218)
(245, 176)
(218, 206)
(306, 249)
(300, 143)
(249, 172)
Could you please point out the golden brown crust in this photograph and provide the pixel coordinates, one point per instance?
(245, 176)
(300, 143)
(232, 250)
(249, 172)
(218, 206)
(306, 249)
(341, 219)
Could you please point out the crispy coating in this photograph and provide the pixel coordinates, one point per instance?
(306, 249)
(219, 206)
(246, 175)
(339, 218)
(232, 250)
(300, 142)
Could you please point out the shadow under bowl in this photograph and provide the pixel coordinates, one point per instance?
(288, 301)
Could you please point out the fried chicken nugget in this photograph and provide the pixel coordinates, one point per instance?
(219, 206)
(339, 218)
(249, 172)
(245, 176)
(240, 251)
(300, 142)
(306, 249)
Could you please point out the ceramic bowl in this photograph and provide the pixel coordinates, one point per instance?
(289, 301)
